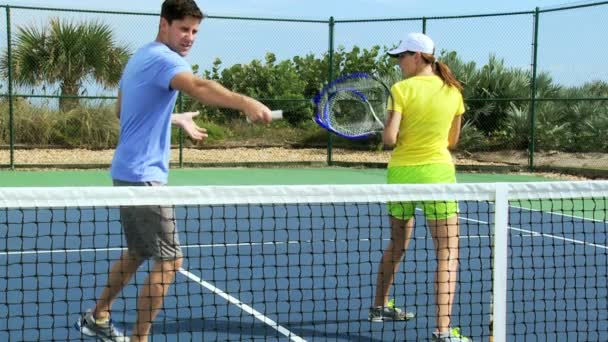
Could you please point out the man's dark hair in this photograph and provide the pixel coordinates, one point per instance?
(180, 9)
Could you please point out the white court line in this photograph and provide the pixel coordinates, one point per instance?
(188, 274)
(64, 251)
(545, 235)
(97, 250)
(225, 245)
(529, 233)
(242, 306)
(560, 214)
(580, 242)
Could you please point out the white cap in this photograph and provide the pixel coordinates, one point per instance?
(414, 42)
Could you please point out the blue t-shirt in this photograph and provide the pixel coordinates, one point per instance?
(147, 101)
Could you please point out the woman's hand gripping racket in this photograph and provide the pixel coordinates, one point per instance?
(353, 106)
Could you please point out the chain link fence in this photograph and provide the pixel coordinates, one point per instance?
(535, 87)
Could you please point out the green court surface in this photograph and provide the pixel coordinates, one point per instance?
(237, 176)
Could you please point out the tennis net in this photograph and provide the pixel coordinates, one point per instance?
(300, 262)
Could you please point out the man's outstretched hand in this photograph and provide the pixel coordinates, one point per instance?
(185, 121)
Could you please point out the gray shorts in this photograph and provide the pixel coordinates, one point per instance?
(150, 230)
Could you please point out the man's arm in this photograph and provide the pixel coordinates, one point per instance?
(212, 93)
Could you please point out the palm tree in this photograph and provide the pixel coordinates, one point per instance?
(65, 54)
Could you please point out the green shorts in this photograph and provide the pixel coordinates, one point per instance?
(422, 174)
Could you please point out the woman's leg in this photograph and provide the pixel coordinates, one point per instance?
(445, 233)
(401, 231)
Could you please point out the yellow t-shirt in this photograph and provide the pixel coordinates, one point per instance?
(427, 108)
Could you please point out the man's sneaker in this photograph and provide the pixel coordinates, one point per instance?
(106, 331)
(451, 336)
(389, 313)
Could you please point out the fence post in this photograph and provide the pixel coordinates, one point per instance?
(424, 25)
(11, 110)
(330, 76)
(180, 106)
(531, 145)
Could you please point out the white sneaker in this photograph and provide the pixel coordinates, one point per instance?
(106, 331)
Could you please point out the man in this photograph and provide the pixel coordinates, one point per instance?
(148, 90)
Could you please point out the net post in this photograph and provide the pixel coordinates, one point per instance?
(180, 101)
(499, 287)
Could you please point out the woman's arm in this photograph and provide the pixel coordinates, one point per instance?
(454, 134)
(391, 128)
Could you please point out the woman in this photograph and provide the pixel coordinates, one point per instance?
(423, 122)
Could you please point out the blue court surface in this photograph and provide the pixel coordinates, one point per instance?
(304, 272)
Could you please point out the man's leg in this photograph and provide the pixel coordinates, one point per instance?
(96, 322)
(121, 272)
(152, 295)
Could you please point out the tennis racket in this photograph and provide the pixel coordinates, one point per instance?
(353, 106)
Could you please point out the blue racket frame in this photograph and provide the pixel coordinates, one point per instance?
(322, 111)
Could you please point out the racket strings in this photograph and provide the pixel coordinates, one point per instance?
(347, 112)
(353, 106)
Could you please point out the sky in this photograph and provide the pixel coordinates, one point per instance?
(313, 9)
(562, 38)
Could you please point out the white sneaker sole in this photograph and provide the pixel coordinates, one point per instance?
(88, 332)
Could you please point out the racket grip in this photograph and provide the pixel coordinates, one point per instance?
(275, 115)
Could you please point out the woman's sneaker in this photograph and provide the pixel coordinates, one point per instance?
(389, 313)
(451, 336)
(105, 331)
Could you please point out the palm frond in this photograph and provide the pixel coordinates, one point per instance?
(66, 53)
